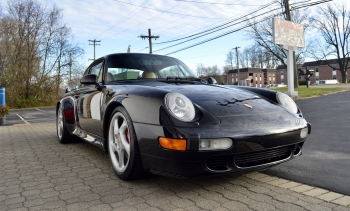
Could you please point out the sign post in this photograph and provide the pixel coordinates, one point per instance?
(291, 36)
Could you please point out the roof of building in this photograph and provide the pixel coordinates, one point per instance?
(321, 62)
(284, 67)
(251, 70)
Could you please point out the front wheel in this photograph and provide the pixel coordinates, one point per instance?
(123, 146)
(62, 132)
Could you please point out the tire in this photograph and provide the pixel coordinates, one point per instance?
(62, 132)
(123, 146)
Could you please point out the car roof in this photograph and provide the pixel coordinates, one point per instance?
(108, 55)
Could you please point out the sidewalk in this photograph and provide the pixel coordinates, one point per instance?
(38, 173)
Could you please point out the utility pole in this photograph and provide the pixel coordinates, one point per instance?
(94, 43)
(289, 18)
(149, 37)
(239, 78)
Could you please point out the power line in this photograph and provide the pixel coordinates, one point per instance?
(163, 10)
(125, 18)
(234, 20)
(156, 28)
(164, 25)
(205, 2)
(212, 31)
(144, 22)
(230, 22)
(221, 35)
(220, 22)
(235, 30)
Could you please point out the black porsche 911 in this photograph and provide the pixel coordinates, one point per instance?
(152, 114)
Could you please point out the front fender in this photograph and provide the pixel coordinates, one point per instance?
(69, 112)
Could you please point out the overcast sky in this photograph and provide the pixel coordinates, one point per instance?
(119, 23)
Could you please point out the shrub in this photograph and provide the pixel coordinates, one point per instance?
(4, 110)
(302, 83)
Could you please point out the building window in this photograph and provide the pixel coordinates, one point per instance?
(316, 69)
(334, 73)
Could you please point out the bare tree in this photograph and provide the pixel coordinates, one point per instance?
(230, 58)
(333, 23)
(210, 71)
(36, 48)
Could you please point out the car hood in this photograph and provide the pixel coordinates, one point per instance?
(223, 101)
(241, 113)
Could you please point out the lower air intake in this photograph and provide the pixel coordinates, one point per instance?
(263, 157)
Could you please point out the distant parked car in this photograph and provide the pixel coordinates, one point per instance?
(278, 85)
(328, 82)
(151, 113)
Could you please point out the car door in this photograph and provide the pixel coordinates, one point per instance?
(89, 102)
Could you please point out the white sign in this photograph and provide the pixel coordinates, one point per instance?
(288, 33)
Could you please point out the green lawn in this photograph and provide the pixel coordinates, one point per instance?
(304, 92)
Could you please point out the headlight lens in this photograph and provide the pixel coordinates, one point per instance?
(180, 106)
(287, 102)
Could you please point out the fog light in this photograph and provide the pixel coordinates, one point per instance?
(304, 132)
(213, 144)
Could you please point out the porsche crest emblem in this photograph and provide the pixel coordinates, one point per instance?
(248, 105)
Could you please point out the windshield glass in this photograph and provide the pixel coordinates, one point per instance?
(145, 66)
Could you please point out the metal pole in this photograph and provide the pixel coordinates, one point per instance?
(149, 37)
(290, 72)
(289, 18)
(307, 77)
(94, 49)
(94, 44)
(150, 41)
(238, 73)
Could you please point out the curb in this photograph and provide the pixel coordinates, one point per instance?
(300, 188)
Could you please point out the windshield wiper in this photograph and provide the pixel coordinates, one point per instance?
(183, 78)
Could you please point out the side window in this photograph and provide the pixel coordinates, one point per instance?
(97, 70)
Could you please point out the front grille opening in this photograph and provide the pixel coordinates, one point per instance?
(217, 163)
(262, 157)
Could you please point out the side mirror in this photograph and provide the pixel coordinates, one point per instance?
(89, 79)
(212, 80)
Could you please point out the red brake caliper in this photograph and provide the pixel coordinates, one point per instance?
(127, 135)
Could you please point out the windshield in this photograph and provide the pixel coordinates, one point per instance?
(145, 66)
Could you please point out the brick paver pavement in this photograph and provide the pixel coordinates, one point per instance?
(38, 173)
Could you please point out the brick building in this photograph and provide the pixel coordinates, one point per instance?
(322, 71)
(258, 77)
(255, 77)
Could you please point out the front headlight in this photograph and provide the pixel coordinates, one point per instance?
(180, 106)
(287, 102)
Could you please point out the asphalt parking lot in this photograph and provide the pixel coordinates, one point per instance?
(38, 173)
(30, 116)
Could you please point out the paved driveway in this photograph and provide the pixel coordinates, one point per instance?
(38, 173)
(326, 153)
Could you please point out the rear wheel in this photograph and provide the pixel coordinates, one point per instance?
(62, 132)
(123, 146)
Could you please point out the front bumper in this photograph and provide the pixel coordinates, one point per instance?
(247, 154)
